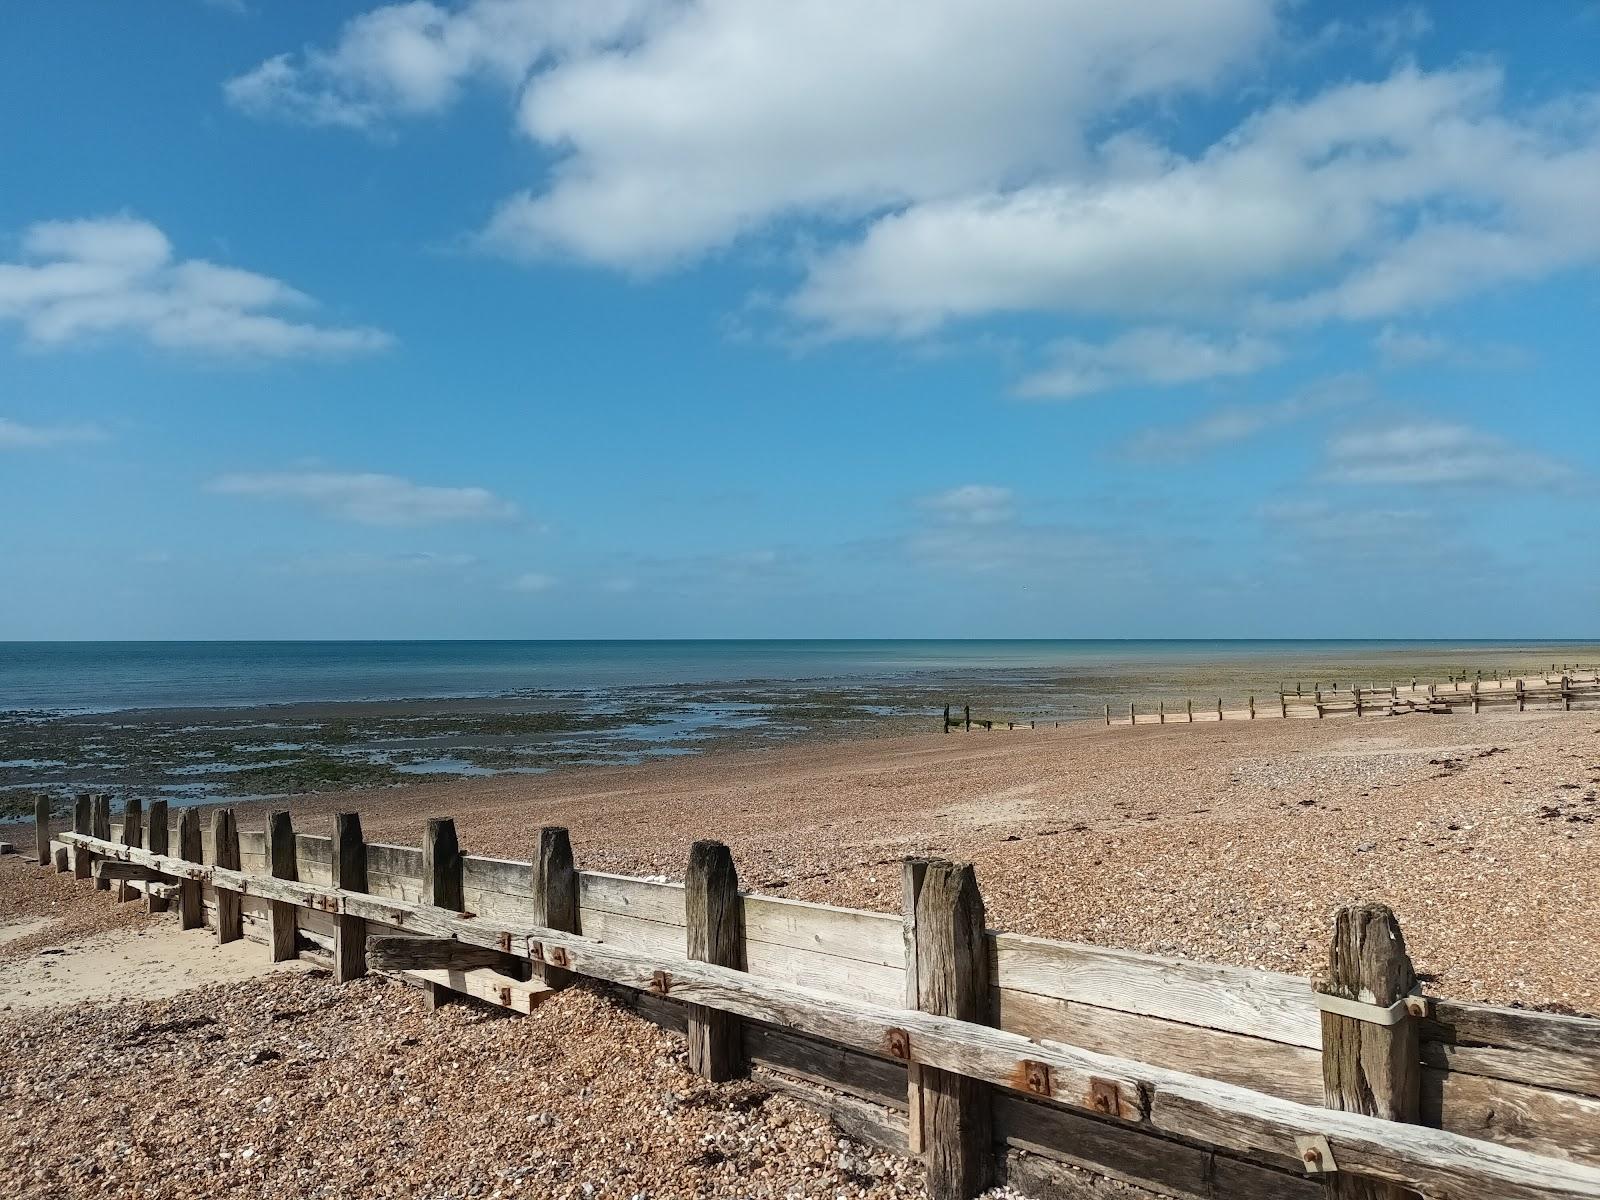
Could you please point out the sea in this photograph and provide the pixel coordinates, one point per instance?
(204, 722)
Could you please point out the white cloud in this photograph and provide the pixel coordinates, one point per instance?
(1398, 347)
(110, 275)
(1153, 355)
(1438, 453)
(533, 582)
(972, 504)
(413, 59)
(366, 562)
(1237, 422)
(1337, 198)
(15, 435)
(370, 499)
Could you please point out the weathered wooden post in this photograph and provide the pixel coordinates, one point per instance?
(82, 822)
(1283, 705)
(1371, 1058)
(350, 875)
(1252, 706)
(101, 811)
(1566, 694)
(1318, 695)
(281, 932)
(41, 828)
(191, 900)
(1522, 699)
(1360, 709)
(441, 883)
(1475, 697)
(132, 835)
(225, 854)
(953, 981)
(1161, 708)
(912, 872)
(555, 895)
(966, 713)
(1219, 708)
(1108, 714)
(1132, 720)
(946, 728)
(1188, 708)
(715, 914)
(157, 837)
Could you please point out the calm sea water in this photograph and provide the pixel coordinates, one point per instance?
(109, 676)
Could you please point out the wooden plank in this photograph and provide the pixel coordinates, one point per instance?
(1170, 1102)
(1559, 1124)
(555, 894)
(402, 862)
(348, 870)
(225, 852)
(488, 985)
(1166, 1167)
(953, 981)
(191, 911)
(1263, 1004)
(1292, 1072)
(121, 872)
(865, 1121)
(875, 938)
(1544, 1049)
(912, 873)
(845, 976)
(281, 864)
(132, 835)
(392, 953)
(625, 896)
(715, 926)
(100, 807)
(1368, 1067)
(441, 882)
(880, 1080)
(82, 823)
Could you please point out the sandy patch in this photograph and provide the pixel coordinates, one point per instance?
(116, 965)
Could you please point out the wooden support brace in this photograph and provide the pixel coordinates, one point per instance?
(281, 931)
(225, 850)
(441, 883)
(953, 981)
(191, 906)
(715, 918)
(350, 874)
(1367, 1067)
(157, 835)
(121, 872)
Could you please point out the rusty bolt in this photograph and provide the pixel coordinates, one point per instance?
(1037, 1077)
(536, 951)
(558, 956)
(900, 1045)
(505, 943)
(1312, 1155)
(1105, 1097)
(660, 983)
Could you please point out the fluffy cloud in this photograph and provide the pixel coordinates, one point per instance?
(1368, 200)
(971, 504)
(1236, 422)
(15, 435)
(370, 499)
(1436, 452)
(110, 275)
(1159, 355)
(533, 582)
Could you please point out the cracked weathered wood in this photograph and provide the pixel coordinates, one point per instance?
(281, 922)
(349, 867)
(1369, 1068)
(41, 829)
(441, 882)
(555, 894)
(157, 833)
(121, 872)
(953, 981)
(1140, 1096)
(715, 935)
(912, 873)
(225, 853)
(191, 903)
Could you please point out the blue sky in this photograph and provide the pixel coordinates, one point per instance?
(643, 318)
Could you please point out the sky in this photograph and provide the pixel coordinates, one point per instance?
(838, 318)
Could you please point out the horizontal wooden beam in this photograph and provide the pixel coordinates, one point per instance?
(428, 954)
(1164, 1100)
(104, 869)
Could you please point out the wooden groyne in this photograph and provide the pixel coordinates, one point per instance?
(991, 1055)
(1458, 694)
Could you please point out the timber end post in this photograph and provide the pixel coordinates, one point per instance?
(715, 917)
